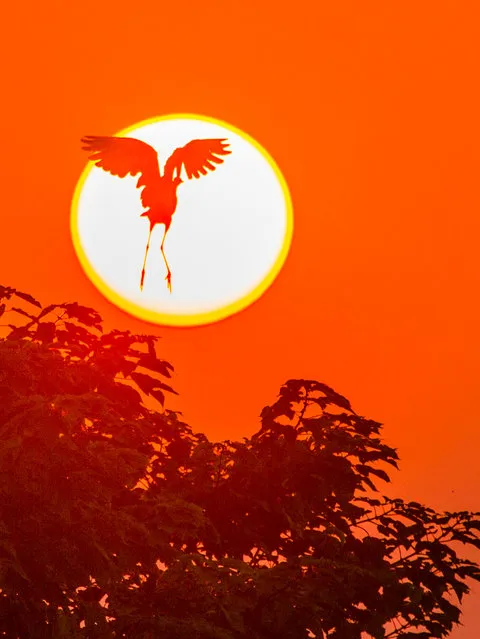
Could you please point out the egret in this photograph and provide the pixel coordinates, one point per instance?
(122, 156)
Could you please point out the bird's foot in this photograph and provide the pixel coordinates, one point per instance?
(169, 281)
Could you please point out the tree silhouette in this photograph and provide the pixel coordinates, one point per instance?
(116, 520)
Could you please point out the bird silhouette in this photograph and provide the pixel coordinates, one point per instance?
(121, 156)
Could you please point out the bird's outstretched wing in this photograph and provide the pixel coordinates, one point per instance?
(123, 156)
(198, 156)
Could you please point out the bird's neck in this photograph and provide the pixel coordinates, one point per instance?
(170, 184)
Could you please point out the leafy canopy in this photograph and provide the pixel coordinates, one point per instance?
(117, 520)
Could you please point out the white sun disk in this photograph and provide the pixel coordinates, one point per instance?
(227, 234)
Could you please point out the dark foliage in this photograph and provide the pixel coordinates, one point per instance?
(117, 520)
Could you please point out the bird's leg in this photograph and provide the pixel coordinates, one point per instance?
(145, 258)
(169, 273)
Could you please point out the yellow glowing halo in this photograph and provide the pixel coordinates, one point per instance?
(191, 319)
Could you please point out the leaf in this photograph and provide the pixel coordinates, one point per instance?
(159, 396)
(151, 386)
(83, 314)
(378, 472)
(369, 500)
(28, 298)
(48, 309)
(46, 332)
(6, 292)
(24, 313)
(370, 484)
(331, 395)
(18, 332)
(145, 382)
(166, 387)
(126, 367)
(79, 333)
(153, 364)
(124, 393)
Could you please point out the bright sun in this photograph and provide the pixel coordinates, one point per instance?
(228, 240)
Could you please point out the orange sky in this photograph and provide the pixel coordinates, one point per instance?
(371, 110)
